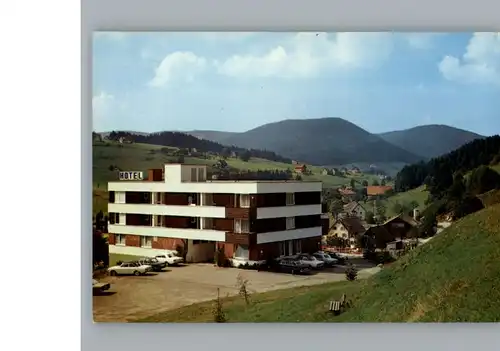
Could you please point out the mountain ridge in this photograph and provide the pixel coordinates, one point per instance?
(336, 141)
(430, 140)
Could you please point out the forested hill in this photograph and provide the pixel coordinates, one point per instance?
(182, 140)
(439, 172)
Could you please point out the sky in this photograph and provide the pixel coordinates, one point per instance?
(236, 81)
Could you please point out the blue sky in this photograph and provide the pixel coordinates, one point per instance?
(237, 81)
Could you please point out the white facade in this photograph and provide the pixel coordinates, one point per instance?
(293, 234)
(168, 210)
(288, 211)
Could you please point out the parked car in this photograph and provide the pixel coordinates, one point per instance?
(341, 259)
(156, 265)
(293, 267)
(309, 260)
(134, 268)
(99, 287)
(326, 258)
(170, 258)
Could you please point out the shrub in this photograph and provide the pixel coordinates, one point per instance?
(119, 263)
(351, 273)
(242, 285)
(218, 312)
(384, 257)
(220, 257)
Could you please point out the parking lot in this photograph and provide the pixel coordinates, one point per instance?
(132, 297)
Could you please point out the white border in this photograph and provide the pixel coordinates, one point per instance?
(41, 145)
(39, 73)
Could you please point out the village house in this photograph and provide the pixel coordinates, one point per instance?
(354, 170)
(347, 194)
(300, 169)
(397, 228)
(355, 209)
(377, 190)
(326, 171)
(347, 228)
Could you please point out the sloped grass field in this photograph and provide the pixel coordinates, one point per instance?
(455, 277)
(303, 304)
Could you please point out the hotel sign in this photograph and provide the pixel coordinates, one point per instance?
(130, 175)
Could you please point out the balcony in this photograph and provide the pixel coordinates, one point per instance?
(182, 233)
(169, 210)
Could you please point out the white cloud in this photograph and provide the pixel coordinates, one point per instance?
(178, 65)
(306, 54)
(101, 105)
(479, 64)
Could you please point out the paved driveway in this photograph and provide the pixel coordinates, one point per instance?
(133, 297)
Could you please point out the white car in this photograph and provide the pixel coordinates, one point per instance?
(310, 260)
(130, 268)
(322, 256)
(170, 258)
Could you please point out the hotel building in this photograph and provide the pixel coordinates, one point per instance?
(177, 205)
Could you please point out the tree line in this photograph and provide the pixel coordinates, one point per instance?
(186, 141)
(439, 173)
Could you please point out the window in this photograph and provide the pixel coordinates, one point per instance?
(158, 221)
(119, 239)
(297, 246)
(158, 198)
(244, 200)
(121, 218)
(290, 199)
(113, 218)
(147, 197)
(192, 200)
(208, 223)
(282, 248)
(201, 175)
(193, 174)
(241, 226)
(196, 242)
(146, 241)
(241, 252)
(112, 197)
(290, 223)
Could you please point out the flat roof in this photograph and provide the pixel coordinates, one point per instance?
(221, 181)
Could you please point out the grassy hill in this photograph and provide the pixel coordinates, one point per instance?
(431, 140)
(418, 195)
(452, 278)
(322, 141)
